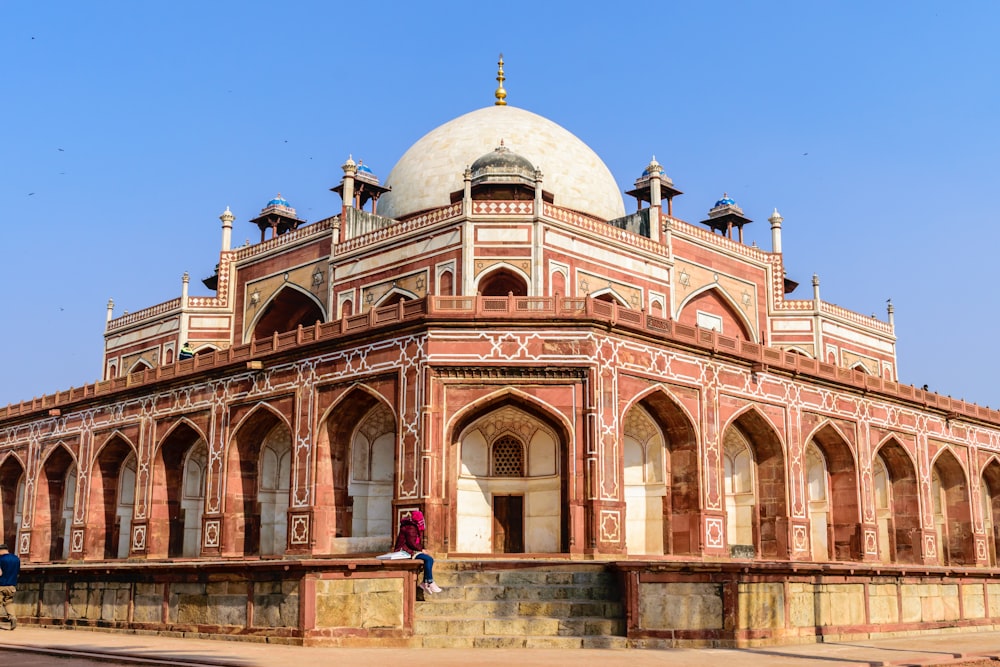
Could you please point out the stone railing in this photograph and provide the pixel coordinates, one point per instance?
(857, 318)
(526, 207)
(477, 310)
(679, 226)
(359, 223)
(399, 228)
(603, 228)
(299, 234)
(145, 314)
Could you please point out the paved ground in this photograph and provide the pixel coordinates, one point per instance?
(30, 645)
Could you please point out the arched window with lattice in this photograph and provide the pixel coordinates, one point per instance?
(508, 457)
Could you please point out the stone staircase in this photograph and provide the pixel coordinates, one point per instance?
(499, 605)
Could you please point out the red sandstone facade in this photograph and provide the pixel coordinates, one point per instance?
(536, 379)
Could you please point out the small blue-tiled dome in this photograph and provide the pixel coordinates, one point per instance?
(653, 164)
(726, 201)
(279, 201)
(365, 168)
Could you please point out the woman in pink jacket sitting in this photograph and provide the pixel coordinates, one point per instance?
(410, 540)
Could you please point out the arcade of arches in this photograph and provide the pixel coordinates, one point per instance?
(517, 477)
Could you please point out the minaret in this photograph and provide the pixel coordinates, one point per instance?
(538, 192)
(654, 188)
(111, 309)
(500, 93)
(655, 170)
(350, 172)
(183, 332)
(467, 191)
(227, 218)
(776, 221)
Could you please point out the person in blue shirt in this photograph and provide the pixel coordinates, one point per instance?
(10, 567)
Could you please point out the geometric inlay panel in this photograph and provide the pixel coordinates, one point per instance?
(25, 544)
(610, 526)
(76, 542)
(871, 543)
(799, 538)
(139, 538)
(930, 547)
(300, 529)
(714, 532)
(212, 530)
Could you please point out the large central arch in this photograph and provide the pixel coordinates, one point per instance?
(508, 480)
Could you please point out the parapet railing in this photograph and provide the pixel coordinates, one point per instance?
(553, 310)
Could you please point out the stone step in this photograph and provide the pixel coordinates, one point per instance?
(527, 592)
(445, 576)
(507, 641)
(544, 606)
(527, 627)
(436, 607)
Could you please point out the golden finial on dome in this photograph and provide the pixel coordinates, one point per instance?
(501, 94)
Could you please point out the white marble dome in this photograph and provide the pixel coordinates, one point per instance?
(433, 168)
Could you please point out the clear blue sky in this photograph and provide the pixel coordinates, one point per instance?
(128, 127)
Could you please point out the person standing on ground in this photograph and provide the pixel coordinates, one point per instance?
(410, 540)
(10, 568)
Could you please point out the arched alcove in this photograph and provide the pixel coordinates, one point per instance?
(755, 486)
(285, 311)
(501, 282)
(834, 472)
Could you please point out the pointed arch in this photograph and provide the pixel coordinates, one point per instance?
(840, 477)
(372, 472)
(171, 520)
(495, 511)
(859, 366)
(682, 500)
(503, 279)
(990, 499)
(344, 441)
(755, 487)
(262, 428)
(286, 309)
(795, 349)
(11, 498)
(105, 525)
(609, 294)
(644, 482)
(952, 510)
(897, 505)
(56, 489)
(139, 366)
(394, 296)
(716, 302)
